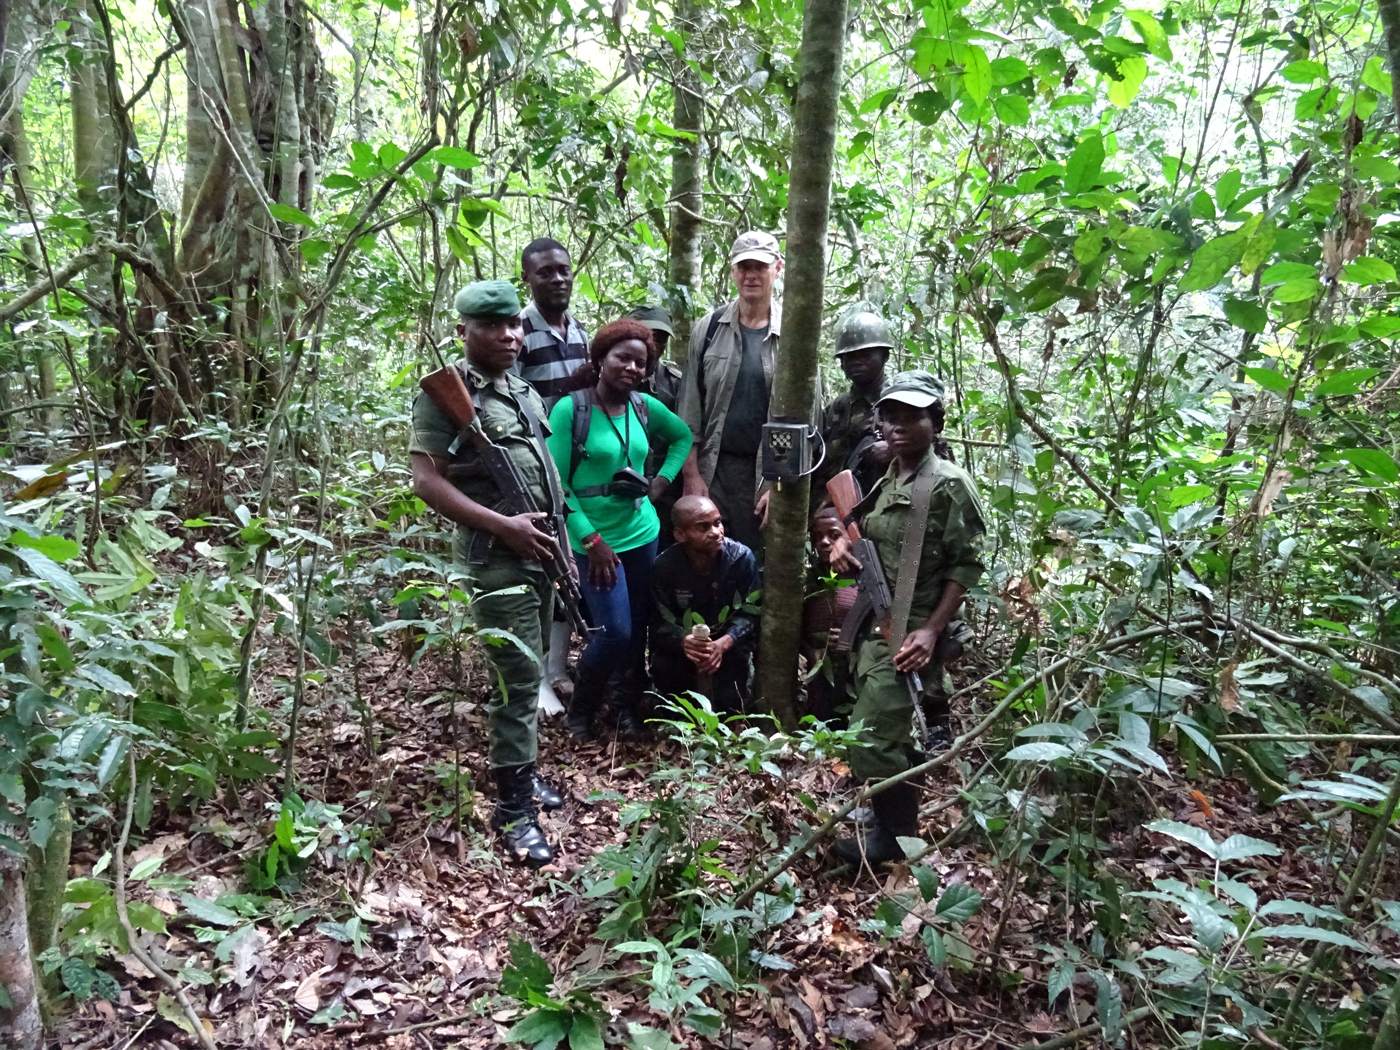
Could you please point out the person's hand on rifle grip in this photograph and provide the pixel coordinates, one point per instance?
(522, 533)
(916, 651)
(842, 560)
(602, 565)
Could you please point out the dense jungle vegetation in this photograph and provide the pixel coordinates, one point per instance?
(1151, 250)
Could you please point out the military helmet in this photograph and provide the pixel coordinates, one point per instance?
(862, 331)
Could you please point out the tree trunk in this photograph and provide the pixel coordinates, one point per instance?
(795, 379)
(687, 196)
(48, 879)
(1390, 28)
(20, 1024)
(1388, 1037)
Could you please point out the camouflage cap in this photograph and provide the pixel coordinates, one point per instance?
(657, 318)
(757, 245)
(487, 299)
(918, 388)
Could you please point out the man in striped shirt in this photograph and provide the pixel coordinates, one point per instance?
(554, 359)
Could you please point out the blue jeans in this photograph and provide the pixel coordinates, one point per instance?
(621, 611)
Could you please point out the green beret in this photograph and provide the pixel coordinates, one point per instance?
(657, 318)
(487, 299)
(918, 388)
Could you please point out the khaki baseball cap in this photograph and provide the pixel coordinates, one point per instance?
(755, 245)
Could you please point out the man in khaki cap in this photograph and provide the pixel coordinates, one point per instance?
(726, 386)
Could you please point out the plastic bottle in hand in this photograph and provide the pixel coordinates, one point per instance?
(704, 684)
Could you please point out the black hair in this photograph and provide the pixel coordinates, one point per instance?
(539, 244)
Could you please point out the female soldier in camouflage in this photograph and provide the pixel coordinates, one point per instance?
(928, 576)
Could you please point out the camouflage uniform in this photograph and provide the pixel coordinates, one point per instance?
(490, 565)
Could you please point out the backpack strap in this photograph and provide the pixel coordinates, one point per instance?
(710, 329)
(583, 420)
(911, 550)
(639, 406)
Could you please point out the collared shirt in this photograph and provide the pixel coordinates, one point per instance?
(952, 548)
(498, 405)
(725, 598)
(546, 360)
(846, 423)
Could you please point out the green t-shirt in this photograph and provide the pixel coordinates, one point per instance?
(619, 520)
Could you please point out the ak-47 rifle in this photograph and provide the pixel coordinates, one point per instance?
(874, 599)
(447, 390)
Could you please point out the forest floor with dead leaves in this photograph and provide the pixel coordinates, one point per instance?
(437, 910)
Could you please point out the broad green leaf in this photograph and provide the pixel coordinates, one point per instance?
(56, 547)
(541, 1029)
(113, 756)
(1239, 847)
(454, 157)
(1304, 71)
(1283, 272)
(958, 903)
(391, 155)
(287, 213)
(927, 106)
(1375, 77)
(1084, 165)
(1133, 71)
(209, 913)
(1246, 314)
(1377, 168)
(48, 570)
(146, 868)
(585, 1033)
(1270, 379)
(1227, 187)
(1008, 71)
(1308, 933)
(527, 973)
(1368, 270)
(977, 74)
(1187, 833)
(105, 679)
(1211, 262)
(1089, 245)
(1152, 33)
(1041, 751)
(1373, 461)
(1259, 247)
(1301, 290)
(1012, 110)
(1343, 383)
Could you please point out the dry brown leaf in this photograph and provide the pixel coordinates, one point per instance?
(307, 996)
(1229, 690)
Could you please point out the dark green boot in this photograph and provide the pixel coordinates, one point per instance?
(896, 815)
(516, 817)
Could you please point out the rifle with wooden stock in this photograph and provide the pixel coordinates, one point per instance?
(447, 390)
(874, 599)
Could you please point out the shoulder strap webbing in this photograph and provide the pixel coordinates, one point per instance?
(911, 548)
(583, 420)
(639, 406)
(551, 473)
(710, 330)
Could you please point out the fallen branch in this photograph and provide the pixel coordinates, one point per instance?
(50, 282)
(1322, 649)
(1308, 669)
(34, 406)
(437, 1022)
(1073, 1036)
(119, 894)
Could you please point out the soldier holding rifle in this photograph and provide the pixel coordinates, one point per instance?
(924, 525)
(479, 459)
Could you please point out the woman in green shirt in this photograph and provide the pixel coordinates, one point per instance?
(613, 524)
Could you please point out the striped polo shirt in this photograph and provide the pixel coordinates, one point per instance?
(545, 360)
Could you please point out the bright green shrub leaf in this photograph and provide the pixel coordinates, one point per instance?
(48, 570)
(391, 155)
(1041, 751)
(1269, 379)
(56, 547)
(1373, 461)
(1007, 71)
(1195, 836)
(1377, 168)
(1202, 206)
(1308, 933)
(585, 1033)
(1304, 71)
(454, 157)
(1246, 314)
(207, 912)
(1241, 847)
(287, 213)
(1227, 187)
(1089, 245)
(1282, 272)
(1084, 165)
(339, 181)
(543, 1029)
(1211, 262)
(1374, 76)
(1344, 383)
(1367, 270)
(1258, 248)
(1299, 291)
(1152, 33)
(1012, 110)
(527, 972)
(977, 74)
(1133, 70)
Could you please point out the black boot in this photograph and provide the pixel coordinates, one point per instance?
(515, 816)
(627, 703)
(896, 813)
(588, 695)
(545, 794)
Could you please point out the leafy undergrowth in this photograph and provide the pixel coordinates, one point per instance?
(349, 919)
